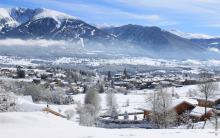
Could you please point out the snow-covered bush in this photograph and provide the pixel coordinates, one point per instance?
(69, 113)
(40, 93)
(87, 115)
(78, 107)
(7, 101)
(58, 96)
(37, 92)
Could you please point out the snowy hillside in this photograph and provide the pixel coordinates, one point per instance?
(28, 123)
(44, 125)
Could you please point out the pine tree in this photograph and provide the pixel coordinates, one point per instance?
(125, 73)
(109, 76)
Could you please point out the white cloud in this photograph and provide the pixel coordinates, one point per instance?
(152, 17)
(163, 12)
(217, 25)
(202, 11)
(31, 42)
(192, 6)
(213, 49)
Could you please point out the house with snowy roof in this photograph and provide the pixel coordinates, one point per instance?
(199, 114)
(213, 102)
(180, 106)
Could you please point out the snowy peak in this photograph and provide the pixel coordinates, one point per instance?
(10, 18)
(6, 20)
(59, 17)
(45, 23)
(46, 13)
(191, 35)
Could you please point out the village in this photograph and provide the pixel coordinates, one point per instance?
(109, 68)
(133, 92)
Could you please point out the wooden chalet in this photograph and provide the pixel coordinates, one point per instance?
(183, 107)
(211, 103)
(198, 113)
(180, 106)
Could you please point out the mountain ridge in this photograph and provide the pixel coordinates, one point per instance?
(40, 23)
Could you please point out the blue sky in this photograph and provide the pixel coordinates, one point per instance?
(196, 16)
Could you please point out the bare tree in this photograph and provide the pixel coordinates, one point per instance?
(92, 98)
(111, 102)
(162, 114)
(207, 91)
(89, 111)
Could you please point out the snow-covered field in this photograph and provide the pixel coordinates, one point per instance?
(10, 60)
(43, 125)
(140, 61)
(31, 122)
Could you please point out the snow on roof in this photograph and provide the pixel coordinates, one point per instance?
(199, 111)
(175, 102)
(216, 97)
(212, 99)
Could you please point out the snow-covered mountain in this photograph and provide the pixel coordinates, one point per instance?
(45, 23)
(6, 20)
(16, 16)
(211, 43)
(155, 39)
(40, 23)
(191, 35)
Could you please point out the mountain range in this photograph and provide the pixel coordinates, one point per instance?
(40, 23)
(46, 24)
